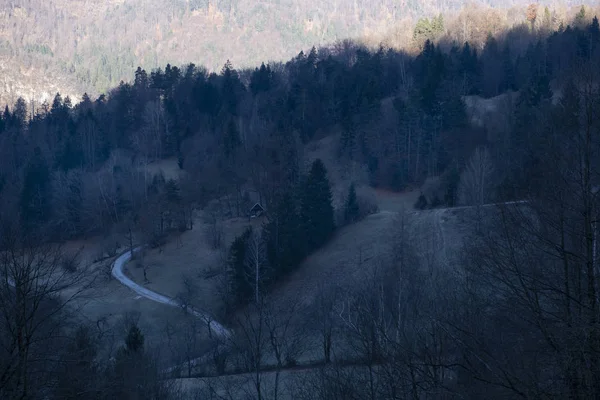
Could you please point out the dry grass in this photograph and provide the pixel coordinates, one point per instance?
(353, 248)
(242, 386)
(189, 255)
(110, 304)
(396, 201)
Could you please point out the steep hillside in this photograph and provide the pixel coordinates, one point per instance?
(84, 45)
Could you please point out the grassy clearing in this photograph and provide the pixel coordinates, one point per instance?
(192, 257)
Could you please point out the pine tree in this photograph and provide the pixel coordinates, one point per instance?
(423, 30)
(351, 208)
(312, 58)
(239, 286)
(580, 17)
(231, 139)
(316, 210)
(133, 374)
(134, 342)
(74, 202)
(35, 195)
(437, 25)
(508, 82)
(260, 81)
(231, 88)
(20, 113)
(284, 236)
(594, 30)
(348, 138)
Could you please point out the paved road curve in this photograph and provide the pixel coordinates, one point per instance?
(117, 271)
(218, 329)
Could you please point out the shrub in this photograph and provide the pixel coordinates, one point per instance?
(70, 263)
(421, 203)
(367, 203)
(360, 203)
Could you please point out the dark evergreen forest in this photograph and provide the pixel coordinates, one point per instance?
(236, 127)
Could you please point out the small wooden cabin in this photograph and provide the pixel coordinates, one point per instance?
(256, 211)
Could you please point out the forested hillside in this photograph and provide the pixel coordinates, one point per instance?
(513, 314)
(81, 169)
(90, 46)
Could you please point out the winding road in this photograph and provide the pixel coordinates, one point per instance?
(117, 271)
(218, 329)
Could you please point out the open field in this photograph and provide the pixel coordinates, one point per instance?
(108, 307)
(191, 257)
(111, 306)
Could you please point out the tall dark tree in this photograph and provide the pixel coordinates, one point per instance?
(239, 286)
(231, 88)
(261, 79)
(231, 138)
(35, 195)
(351, 208)
(316, 209)
(284, 235)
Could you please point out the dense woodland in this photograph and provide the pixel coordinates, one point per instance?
(69, 167)
(75, 170)
(76, 46)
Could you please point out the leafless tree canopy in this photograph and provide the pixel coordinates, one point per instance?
(476, 182)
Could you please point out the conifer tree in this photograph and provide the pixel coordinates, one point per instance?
(35, 195)
(580, 17)
(134, 342)
(284, 237)
(351, 208)
(316, 210)
(231, 139)
(239, 286)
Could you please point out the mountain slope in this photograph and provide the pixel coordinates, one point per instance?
(95, 44)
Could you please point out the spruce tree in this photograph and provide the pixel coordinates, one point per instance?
(74, 202)
(580, 17)
(316, 210)
(284, 236)
(238, 282)
(35, 195)
(351, 209)
(134, 342)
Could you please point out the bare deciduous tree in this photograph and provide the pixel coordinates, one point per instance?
(214, 231)
(36, 296)
(476, 186)
(324, 320)
(189, 292)
(251, 344)
(284, 336)
(532, 275)
(256, 263)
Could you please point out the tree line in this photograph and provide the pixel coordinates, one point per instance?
(301, 222)
(83, 54)
(403, 117)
